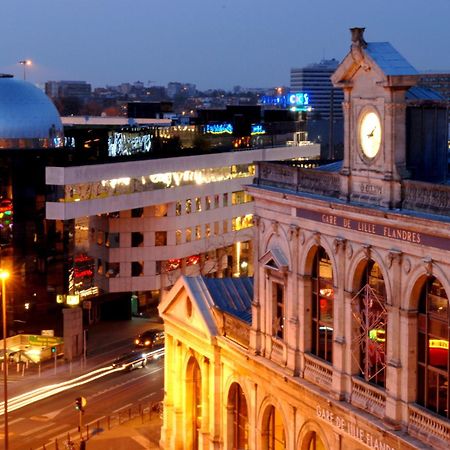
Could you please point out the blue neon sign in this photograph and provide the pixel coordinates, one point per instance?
(257, 129)
(300, 101)
(219, 128)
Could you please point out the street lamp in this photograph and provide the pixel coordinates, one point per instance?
(4, 274)
(25, 63)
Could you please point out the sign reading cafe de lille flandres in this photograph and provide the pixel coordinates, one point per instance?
(365, 226)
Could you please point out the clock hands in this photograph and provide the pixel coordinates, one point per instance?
(371, 133)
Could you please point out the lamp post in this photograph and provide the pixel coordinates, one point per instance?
(25, 63)
(3, 276)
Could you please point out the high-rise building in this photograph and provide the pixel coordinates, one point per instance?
(314, 79)
(80, 90)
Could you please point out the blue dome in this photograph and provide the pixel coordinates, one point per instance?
(28, 118)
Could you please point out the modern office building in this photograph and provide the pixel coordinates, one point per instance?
(314, 79)
(116, 208)
(341, 341)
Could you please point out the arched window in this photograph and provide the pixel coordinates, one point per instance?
(369, 310)
(239, 419)
(322, 306)
(273, 435)
(433, 355)
(315, 443)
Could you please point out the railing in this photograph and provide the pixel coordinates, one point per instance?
(427, 197)
(368, 397)
(75, 440)
(427, 427)
(298, 179)
(318, 372)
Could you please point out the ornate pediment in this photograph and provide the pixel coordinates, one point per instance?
(275, 259)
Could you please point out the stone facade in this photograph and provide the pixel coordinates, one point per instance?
(348, 342)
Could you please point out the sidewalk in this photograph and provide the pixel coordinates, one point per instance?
(104, 338)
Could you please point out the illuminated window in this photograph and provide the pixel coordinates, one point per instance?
(369, 310)
(322, 306)
(198, 204)
(188, 234)
(178, 208)
(278, 320)
(178, 237)
(100, 237)
(433, 360)
(160, 238)
(273, 432)
(315, 443)
(239, 197)
(216, 201)
(207, 203)
(198, 232)
(238, 418)
(207, 230)
(188, 206)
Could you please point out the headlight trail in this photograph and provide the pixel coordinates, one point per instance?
(47, 391)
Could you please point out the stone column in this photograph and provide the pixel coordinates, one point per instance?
(255, 331)
(393, 360)
(205, 431)
(292, 363)
(346, 171)
(339, 342)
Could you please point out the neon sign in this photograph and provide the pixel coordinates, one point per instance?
(257, 129)
(298, 101)
(219, 128)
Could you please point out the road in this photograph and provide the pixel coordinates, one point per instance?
(40, 423)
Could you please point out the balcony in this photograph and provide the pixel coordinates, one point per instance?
(368, 397)
(318, 372)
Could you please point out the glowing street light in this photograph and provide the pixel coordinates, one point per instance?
(4, 274)
(25, 63)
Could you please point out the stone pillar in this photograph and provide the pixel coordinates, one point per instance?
(168, 413)
(205, 430)
(178, 379)
(292, 306)
(304, 315)
(393, 360)
(345, 171)
(255, 331)
(339, 342)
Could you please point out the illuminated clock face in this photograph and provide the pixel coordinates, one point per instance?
(370, 134)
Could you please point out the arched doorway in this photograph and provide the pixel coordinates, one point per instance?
(369, 311)
(237, 419)
(315, 443)
(273, 436)
(433, 360)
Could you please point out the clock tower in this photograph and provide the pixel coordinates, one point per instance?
(375, 79)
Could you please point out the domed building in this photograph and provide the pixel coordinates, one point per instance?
(28, 118)
(31, 134)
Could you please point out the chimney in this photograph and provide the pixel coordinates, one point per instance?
(358, 37)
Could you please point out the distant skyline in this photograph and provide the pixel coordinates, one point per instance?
(213, 44)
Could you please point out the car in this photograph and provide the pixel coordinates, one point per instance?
(151, 339)
(130, 360)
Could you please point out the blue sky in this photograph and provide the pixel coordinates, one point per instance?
(212, 43)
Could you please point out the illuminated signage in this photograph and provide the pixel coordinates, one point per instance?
(219, 128)
(128, 143)
(72, 300)
(257, 129)
(438, 343)
(297, 101)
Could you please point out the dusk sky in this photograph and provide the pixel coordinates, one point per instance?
(211, 43)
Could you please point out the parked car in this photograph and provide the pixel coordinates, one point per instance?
(151, 339)
(130, 360)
